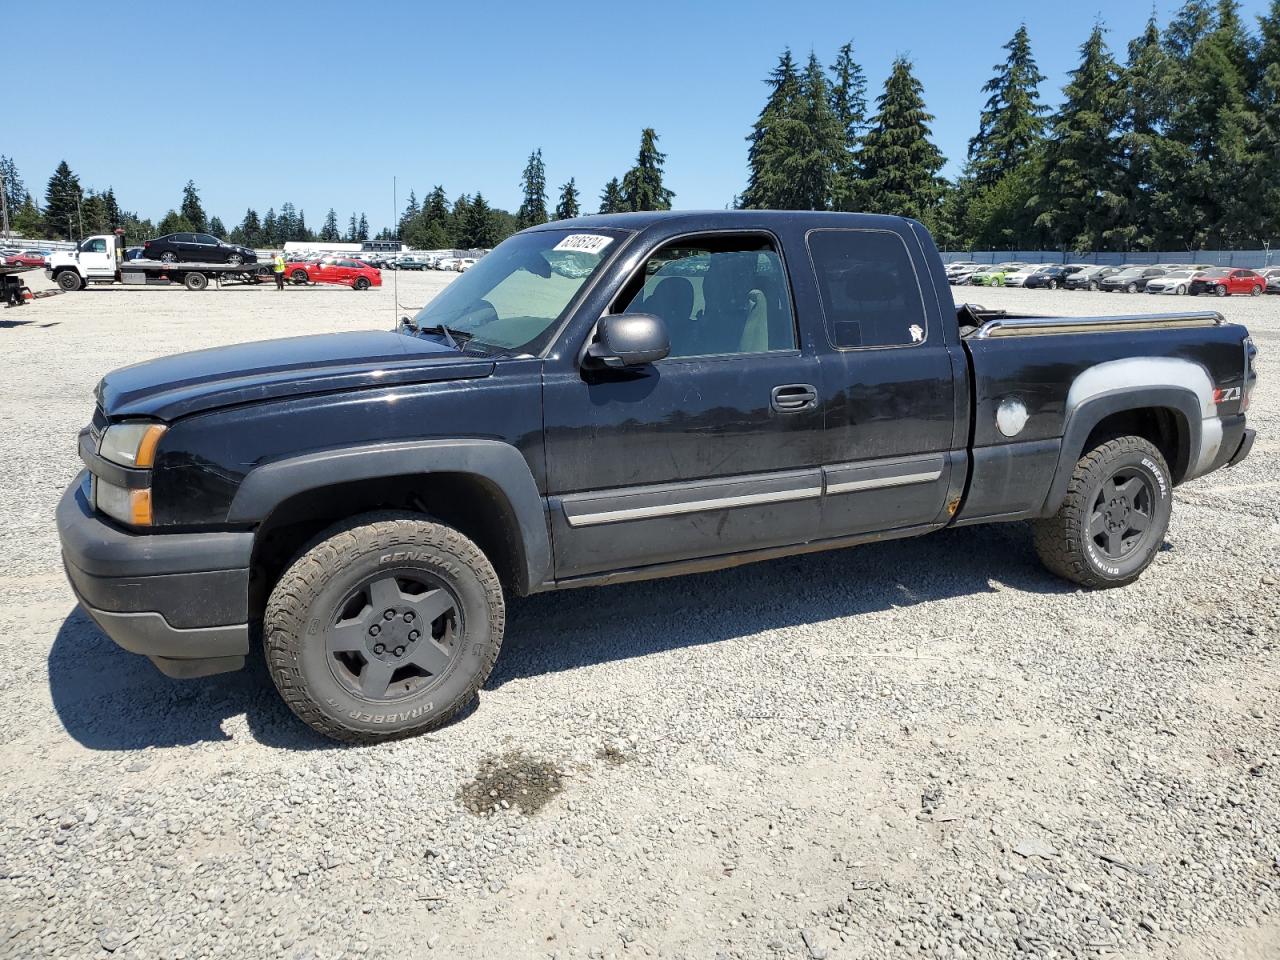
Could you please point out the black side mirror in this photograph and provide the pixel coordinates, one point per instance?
(628, 340)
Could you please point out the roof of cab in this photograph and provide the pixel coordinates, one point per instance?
(715, 218)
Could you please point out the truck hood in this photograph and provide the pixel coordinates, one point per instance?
(186, 383)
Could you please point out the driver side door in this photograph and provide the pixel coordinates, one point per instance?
(715, 449)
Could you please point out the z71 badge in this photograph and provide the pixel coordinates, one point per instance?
(1226, 394)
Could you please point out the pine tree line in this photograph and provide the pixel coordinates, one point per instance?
(1176, 148)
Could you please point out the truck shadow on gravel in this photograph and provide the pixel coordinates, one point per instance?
(548, 633)
(109, 699)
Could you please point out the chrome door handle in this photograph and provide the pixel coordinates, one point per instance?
(793, 397)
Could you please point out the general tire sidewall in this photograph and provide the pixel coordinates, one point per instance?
(1162, 508)
(307, 660)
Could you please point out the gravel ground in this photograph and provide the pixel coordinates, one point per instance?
(927, 748)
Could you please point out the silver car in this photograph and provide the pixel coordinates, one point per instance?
(1173, 284)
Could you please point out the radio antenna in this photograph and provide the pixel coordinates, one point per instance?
(395, 279)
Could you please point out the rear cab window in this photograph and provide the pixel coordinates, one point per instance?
(868, 288)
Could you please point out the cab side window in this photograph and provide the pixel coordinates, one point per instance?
(717, 296)
(868, 287)
(95, 246)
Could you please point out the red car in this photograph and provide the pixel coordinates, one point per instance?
(27, 258)
(1224, 281)
(348, 273)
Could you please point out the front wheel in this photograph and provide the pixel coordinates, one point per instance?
(384, 628)
(1093, 285)
(1131, 288)
(1182, 290)
(1053, 284)
(1113, 518)
(1220, 291)
(168, 257)
(235, 260)
(69, 281)
(1256, 291)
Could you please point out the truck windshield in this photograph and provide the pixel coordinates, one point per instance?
(514, 297)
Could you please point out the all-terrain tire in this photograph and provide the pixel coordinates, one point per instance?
(312, 588)
(69, 281)
(1063, 542)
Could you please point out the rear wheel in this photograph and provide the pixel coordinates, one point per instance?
(299, 276)
(69, 280)
(195, 281)
(384, 628)
(1113, 518)
(362, 283)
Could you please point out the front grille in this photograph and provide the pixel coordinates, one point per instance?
(97, 426)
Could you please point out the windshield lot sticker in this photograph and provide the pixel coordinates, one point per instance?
(583, 243)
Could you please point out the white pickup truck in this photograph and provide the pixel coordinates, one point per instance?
(94, 261)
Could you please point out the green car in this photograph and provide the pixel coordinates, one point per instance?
(993, 276)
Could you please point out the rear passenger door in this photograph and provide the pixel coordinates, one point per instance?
(886, 385)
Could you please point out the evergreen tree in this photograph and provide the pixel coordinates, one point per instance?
(271, 230)
(352, 228)
(62, 203)
(567, 207)
(1080, 190)
(287, 223)
(26, 220)
(784, 88)
(191, 209)
(411, 213)
(115, 216)
(251, 229)
(533, 183)
(15, 191)
(1211, 134)
(362, 228)
(330, 229)
(611, 199)
(435, 208)
(1192, 21)
(478, 229)
(458, 216)
(849, 105)
(642, 187)
(93, 213)
(1264, 184)
(1145, 111)
(1012, 123)
(899, 163)
(216, 227)
(173, 222)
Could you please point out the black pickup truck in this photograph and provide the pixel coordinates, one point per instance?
(613, 398)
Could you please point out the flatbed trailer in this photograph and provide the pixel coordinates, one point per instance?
(94, 261)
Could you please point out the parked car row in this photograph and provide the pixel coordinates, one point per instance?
(23, 258)
(1176, 279)
(430, 261)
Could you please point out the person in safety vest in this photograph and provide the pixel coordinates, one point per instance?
(278, 266)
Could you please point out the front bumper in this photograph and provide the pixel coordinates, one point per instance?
(180, 599)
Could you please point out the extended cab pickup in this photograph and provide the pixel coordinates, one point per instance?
(610, 398)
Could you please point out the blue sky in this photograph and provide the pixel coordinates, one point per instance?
(331, 100)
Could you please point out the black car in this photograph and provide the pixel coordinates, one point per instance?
(1131, 279)
(1089, 278)
(196, 248)
(1051, 277)
(366, 503)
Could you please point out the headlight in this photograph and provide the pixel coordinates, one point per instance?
(132, 444)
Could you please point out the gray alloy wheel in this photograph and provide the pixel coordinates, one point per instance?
(1053, 284)
(1093, 285)
(1131, 288)
(235, 260)
(1256, 291)
(1220, 291)
(168, 257)
(385, 626)
(299, 276)
(1182, 290)
(1114, 517)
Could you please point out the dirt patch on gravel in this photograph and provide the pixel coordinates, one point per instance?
(514, 779)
